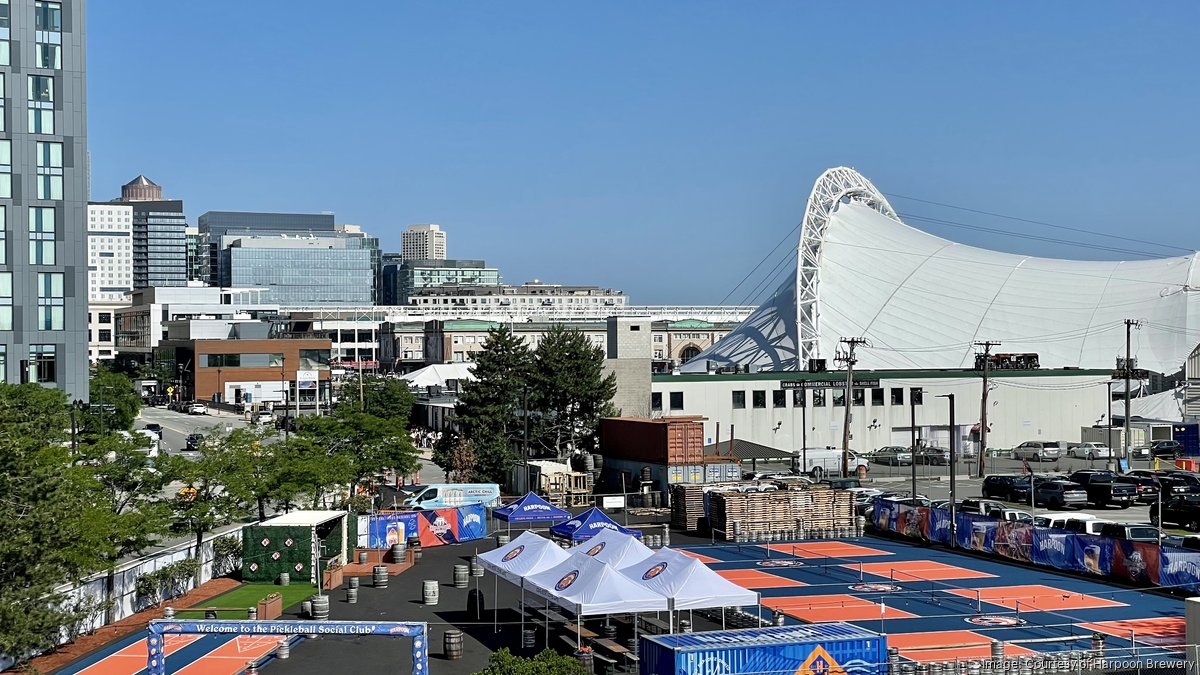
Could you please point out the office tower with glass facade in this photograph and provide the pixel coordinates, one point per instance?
(301, 271)
(43, 195)
(159, 235)
(400, 280)
(219, 228)
(195, 261)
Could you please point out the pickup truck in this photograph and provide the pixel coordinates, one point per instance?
(1103, 488)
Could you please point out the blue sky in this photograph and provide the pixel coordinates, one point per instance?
(662, 148)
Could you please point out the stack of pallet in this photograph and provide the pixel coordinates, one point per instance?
(779, 511)
(687, 506)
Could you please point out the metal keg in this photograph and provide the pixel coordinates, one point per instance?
(529, 639)
(352, 595)
(666, 535)
(379, 576)
(353, 582)
(461, 576)
(252, 613)
(210, 613)
(476, 566)
(398, 552)
(306, 608)
(320, 607)
(285, 579)
(935, 668)
(452, 644)
(284, 649)
(363, 557)
(685, 626)
(501, 540)
(429, 591)
(997, 651)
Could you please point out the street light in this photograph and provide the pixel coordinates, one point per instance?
(953, 467)
(77, 404)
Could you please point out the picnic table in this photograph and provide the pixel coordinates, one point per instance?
(657, 625)
(581, 630)
(616, 649)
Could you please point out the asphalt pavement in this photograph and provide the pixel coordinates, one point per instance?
(177, 426)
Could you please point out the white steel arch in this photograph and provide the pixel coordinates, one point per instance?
(832, 188)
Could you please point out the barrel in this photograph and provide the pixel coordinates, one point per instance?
(780, 618)
(529, 639)
(589, 463)
(352, 595)
(935, 668)
(598, 461)
(586, 661)
(210, 613)
(284, 649)
(363, 557)
(501, 540)
(398, 552)
(685, 626)
(169, 612)
(609, 630)
(461, 575)
(646, 475)
(997, 651)
(251, 668)
(415, 544)
(252, 613)
(922, 669)
(379, 576)
(320, 605)
(353, 582)
(285, 579)
(893, 656)
(452, 643)
(306, 608)
(429, 591)
(476, 567)
(666, 535)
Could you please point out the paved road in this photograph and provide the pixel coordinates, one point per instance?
(177, 425)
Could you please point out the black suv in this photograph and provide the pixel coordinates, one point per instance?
(1010, 488)
(194, 441)
(1166, 449)
(1102, 488)
(1147, 488)
(1182, 511)
(1130, 532)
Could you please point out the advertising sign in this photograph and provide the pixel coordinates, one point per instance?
(306, 379)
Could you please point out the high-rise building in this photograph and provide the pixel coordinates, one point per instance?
(159, 235)
(371, 244)
(195, 259)
(301, 271)
(43, 195)
(219, 228)
(110, 273)
(401, 280)
(423, 242)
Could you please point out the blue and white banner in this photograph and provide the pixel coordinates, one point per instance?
(1179, 568)
(1053, 548)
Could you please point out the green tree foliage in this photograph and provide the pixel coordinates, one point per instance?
(55, 524)
(254, 467)
(570, 391)
(548, 662)
(489, 407)
(112, 396)
(309, 470)
(370, 443)
(212, 504)
(385, 397)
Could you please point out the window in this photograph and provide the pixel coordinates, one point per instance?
(105, 317)
(3, 13)
(635, 328)
(858, 396)
(819, 396)
(779, 399)
(3, 93)
(48, 56)
(839, 397)
(656, 401)
(41, 104)
(877, 396)
(105, 335)
(221, 360)
(41, 235)
(658, 338)
(739, 400)
(897, 396)
(3, 235)
(50, 300)
(760, 398)
(799, 399)
(916, 396)
(49, 170)
(5, 169)
(47, 16)
(6, 301)
(42, 364)
(677, 400)
(317, 359)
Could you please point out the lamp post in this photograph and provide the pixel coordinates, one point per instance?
(220, 387)
(77, 404)
(953, 466)
(283, 393)
(912, 417)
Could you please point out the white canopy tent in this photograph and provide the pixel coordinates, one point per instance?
(687, 583)
(527, 554)
(440, 374)
(615, 548)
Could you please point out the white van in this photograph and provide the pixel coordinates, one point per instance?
(451, 495)
(821, 462)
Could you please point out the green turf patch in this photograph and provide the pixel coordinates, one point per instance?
(232, 605)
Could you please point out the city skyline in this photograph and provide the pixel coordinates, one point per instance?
(609, 147)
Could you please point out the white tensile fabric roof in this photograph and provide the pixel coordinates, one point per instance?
(688, 582)
(922, 301)
(440, 373)
(615, 548)
(584, 585)
(527, 554)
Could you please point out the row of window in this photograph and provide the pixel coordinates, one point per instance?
(49, 178)
(42, 365)
(39, 100)
(310, 359)
(102, 335)
(51, 302)
(47, 21)
(800, 398)
(47, 15)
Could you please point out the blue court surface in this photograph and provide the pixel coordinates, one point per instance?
(938, 605)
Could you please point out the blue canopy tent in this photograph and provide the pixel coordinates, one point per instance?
(530, 509)
(587, 524)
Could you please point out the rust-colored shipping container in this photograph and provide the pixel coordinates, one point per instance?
(667, 440)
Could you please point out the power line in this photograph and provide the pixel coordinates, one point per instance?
(760, 262)
(1022, 235)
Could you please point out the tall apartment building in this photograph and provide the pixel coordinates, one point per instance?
(159, 235)
(195, 259)
(43, 195)
(218, 229)
(423, 242)
(110, 273)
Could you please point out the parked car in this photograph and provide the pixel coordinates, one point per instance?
(1166, 449)
(155, 428)
(197, 408)
(1012, 515)
(1059, 521)
(1059, 494)
(193, 441)
(1102, 488)
(1008, 487)
(1130, 532)
(1182, 511)
(1191, 480)
(1038, 451)
(1173, 486)
(263, 417)
(821, 462)
(893, 455)
(1140, 452)
(842, 483)
(755, 475)
(1147, 488)
(1090, 451)
(1086, 525)
(932, 455)
(940, 504)
(981, 506)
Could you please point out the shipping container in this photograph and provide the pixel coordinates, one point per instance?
(677, 440)
(810, 648)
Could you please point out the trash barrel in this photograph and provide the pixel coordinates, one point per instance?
(585, 659)
(397, 553)
(461, 576)
(352, 595)
(476, 567)
(476, 604)
(452, 643)
(429, 591)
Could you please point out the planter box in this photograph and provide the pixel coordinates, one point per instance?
(332, 578)
(270, 607)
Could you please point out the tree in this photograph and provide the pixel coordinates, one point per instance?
(255, 466)
(385, 397)
(548, 662)
(55, 522)
(570, 391)
(487, 409)
(207, 504)
(371, 443)
(112, 396)
(309, 469)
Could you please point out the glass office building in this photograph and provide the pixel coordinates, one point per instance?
(304, 271)
(400, 280)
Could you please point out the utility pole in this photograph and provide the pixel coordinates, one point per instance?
(849, 360)
(983, 404)
(1130, 324)
(912, 417)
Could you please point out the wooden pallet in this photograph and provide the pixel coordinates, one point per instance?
(782, 510)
